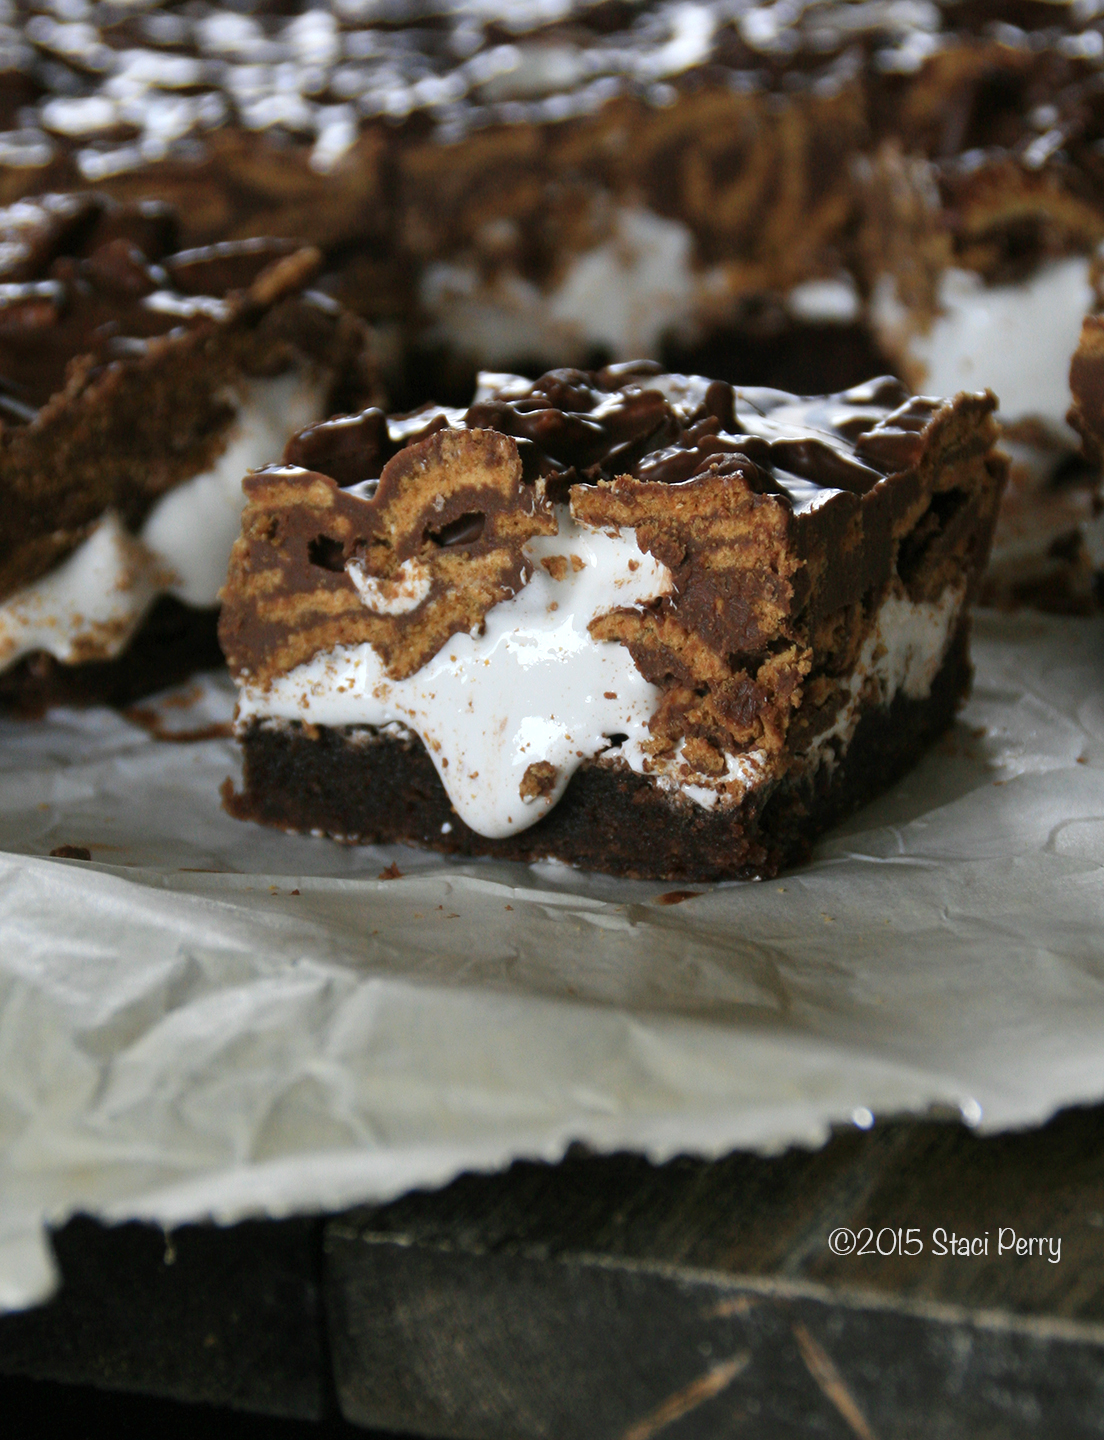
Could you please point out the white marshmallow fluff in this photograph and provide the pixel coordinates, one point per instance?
(536, 686)
(90, 605)
(193, 528)
(623, 295)
(1017, 340)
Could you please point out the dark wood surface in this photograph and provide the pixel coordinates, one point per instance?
(605, 1296)
(46, 1410)
(218, 1316)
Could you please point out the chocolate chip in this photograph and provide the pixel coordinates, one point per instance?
(120, 268)
(720, 400)
(889, 448)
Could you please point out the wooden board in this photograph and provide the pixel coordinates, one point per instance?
(608, 1297)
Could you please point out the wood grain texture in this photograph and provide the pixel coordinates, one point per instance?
(607, 1297)
(602, 1296)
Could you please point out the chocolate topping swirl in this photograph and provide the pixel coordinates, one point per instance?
(83, 277)
(579, 427)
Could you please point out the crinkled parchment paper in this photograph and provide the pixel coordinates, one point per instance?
(210, 1019)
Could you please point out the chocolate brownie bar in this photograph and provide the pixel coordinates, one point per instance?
(138, 383)
(983, 210)
(793, 195)
(546, 181)
(638, 621)
(511, 183)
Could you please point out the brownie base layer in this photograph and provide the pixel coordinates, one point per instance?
(384, 789)
(173, 642)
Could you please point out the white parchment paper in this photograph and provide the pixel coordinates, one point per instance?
(215, 1020)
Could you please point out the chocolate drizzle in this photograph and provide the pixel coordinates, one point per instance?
(406, 127)
(121, 358)
(580, 427)
(512, 62)
(87, 278)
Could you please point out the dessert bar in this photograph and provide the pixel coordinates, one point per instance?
(552, 180)
(138, 383)
(518, 180)
(793, 195)
(637, 621)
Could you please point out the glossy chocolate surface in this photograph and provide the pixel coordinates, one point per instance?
(761, 504)
(111, 89)
(582, 427)
(82, 276)
(125, 85)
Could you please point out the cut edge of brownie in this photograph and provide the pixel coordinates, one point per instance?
(811, 593)
(365, 786)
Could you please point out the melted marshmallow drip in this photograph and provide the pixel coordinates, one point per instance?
(534, 686)
(90, 605)
(1015, 339)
